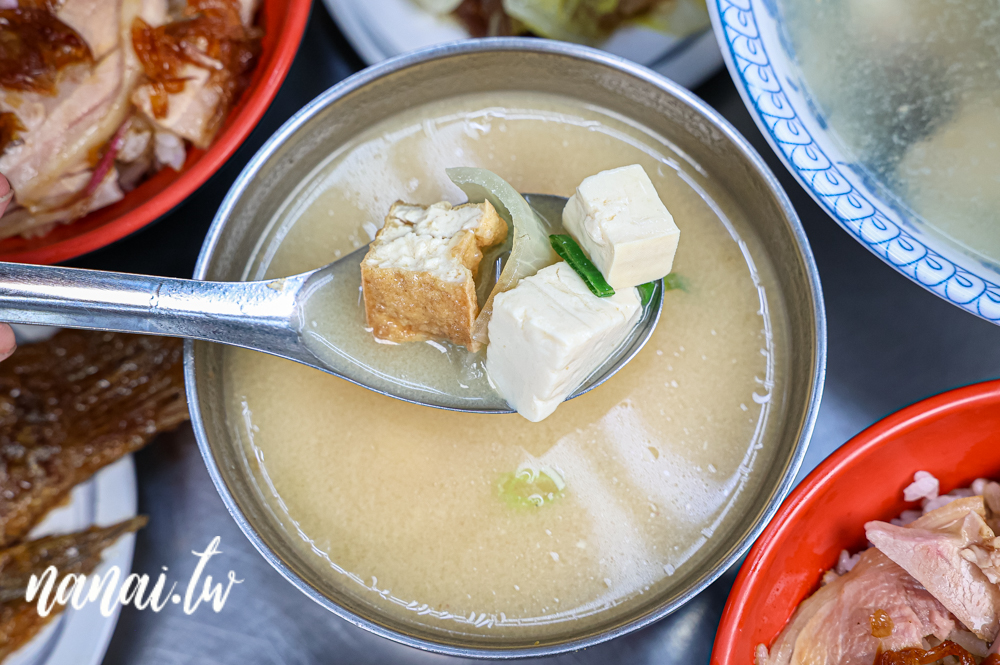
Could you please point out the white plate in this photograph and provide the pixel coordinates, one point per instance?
(381, 29)
(80, 637)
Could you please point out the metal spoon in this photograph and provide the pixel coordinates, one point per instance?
(262, 316)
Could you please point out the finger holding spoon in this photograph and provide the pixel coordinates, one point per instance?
(7, 341)
(6, 194)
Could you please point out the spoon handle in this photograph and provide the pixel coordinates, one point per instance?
(257, 315)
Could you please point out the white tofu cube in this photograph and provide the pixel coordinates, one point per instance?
(549, 333)
(618, 219)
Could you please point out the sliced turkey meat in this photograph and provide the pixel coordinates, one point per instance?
(84, 129)
(22, 222)
(950, 552)
(66, 131)
(195, 112)
(154, 12)
(85, 118)
(833, 626)
(191, 113)
(248, 9)
(991, 496)
(97, 21)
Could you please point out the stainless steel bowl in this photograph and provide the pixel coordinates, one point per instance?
(509, 64)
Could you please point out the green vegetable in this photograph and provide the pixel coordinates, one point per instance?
(531, 486)
(568, 20)
(646, 292)
(680, 18)
(529, 252)
(670, 282)
(571, 253)
(675, 281)
(591, 21)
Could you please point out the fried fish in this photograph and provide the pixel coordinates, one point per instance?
(74, 404)
(77, 553)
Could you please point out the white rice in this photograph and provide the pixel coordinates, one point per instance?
(924, 486)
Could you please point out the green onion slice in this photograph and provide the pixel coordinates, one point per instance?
(675, 281)
(646, 292)
(571, 253)
(532, 486)
(670, 282)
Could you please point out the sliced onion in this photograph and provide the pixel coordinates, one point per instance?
(529, 240)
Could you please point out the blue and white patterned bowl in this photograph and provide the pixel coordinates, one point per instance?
(767, 75)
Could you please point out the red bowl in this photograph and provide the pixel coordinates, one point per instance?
(955, 436)
(283, 22)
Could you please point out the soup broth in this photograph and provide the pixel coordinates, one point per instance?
(493, 525)
(912, 89)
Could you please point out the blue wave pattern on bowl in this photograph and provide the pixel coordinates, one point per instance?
(817, 172)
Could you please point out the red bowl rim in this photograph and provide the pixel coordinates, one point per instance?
(253, 108)
(906, 420)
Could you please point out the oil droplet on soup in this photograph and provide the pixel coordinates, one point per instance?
(492, 524)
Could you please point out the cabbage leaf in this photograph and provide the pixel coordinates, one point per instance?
(588, 21)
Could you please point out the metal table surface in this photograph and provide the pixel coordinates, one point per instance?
(890, 344)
